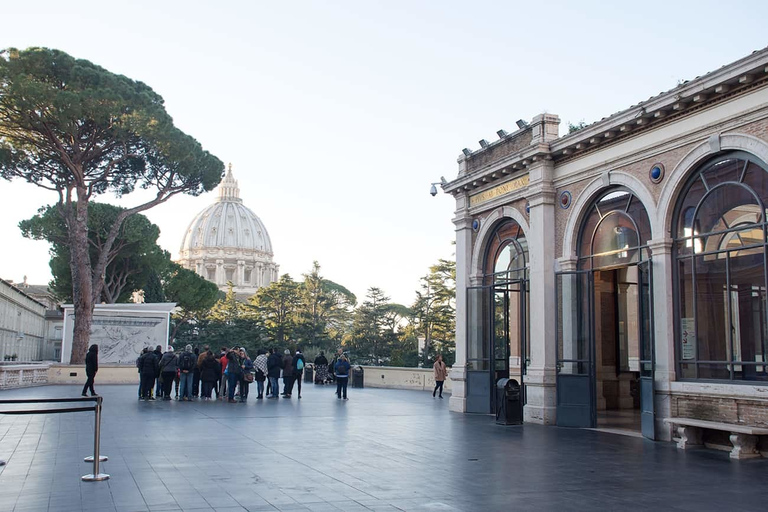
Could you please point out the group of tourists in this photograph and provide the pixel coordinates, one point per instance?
(230, 372)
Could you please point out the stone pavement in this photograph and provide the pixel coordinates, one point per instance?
(381, 450)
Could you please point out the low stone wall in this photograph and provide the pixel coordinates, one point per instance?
(421, 379)
(107, 374)
(23, 375)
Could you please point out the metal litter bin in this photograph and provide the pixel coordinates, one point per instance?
(309, 372)
(357, 377)
(509, 406)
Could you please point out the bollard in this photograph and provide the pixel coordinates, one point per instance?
(96, 476)
(2, 463)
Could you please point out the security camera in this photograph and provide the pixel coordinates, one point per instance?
(433, 190)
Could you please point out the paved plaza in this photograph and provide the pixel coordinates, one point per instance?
(381, 450)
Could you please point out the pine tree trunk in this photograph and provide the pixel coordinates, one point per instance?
(82, 280)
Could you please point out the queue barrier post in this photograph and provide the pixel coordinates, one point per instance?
(96, 476)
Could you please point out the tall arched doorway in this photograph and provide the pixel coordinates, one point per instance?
(497, 337)
(604, 327)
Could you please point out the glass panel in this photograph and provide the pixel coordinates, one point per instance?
(500, 327)
(757, 179)
(646, 320)
(614, 242)
(628, 327)
(573, 323)
(477, 329)
(687, 335)
(722, 208)
(685, 227)
(711, 310)
(640, 216)
(714, 371)
(729, 169)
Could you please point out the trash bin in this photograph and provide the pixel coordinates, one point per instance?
(309, 373)
(357, 377)
(509, 406)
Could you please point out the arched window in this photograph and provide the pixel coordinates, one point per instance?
(615, 231)
(507, 254)
(720, 272)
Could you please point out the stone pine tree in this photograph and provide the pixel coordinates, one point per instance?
(131, 262)
(78, 130)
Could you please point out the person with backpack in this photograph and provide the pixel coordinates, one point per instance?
(341, 370)
(187, 363)
(169, 364)
(298, 368)
(260, 365)
(210, 373)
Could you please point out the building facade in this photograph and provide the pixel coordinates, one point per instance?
(22, 325)
(227, 242)
(620, 272)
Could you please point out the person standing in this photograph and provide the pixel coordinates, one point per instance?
(149, 368)
(210, 370)
(187, 362)
(196, 375)
(91, 367)
(260, 364)
(341, 371)
(287, 374)
(274, 365)
(321, 368)
(247, 377)
(159, 355)
(298, 368)
(441, 373)
(234, 373)
(169, 365)
(222, 394)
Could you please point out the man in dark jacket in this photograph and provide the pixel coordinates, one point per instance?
(149, 367)
(287, 374)
(274, 365)
(91, 367)
(298, 369)
(159, 354)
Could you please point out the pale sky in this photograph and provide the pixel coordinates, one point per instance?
(338, 115)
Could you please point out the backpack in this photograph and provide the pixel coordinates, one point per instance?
(186, 361)
(300, 364)
(342, 369)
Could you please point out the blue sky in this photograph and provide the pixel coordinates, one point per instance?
(338, 115)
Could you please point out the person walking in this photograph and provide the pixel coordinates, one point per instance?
(169, 365)
(149, 368)
(287, 374)
(187, 362)
(441, 373)
(245, 381)
(274, 365)
(341, 371)
(298, 369)
(234, 373)
(210, 371)
(260, 365)
(91, 367)
(321, 369)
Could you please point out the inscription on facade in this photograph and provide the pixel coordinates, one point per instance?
(500, 190)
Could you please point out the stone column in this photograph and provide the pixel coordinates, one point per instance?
(463, 223)
(221, 276)
(540, 380)
(663, 333)
(240, 273)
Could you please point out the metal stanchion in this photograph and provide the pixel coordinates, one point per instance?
(96, 476)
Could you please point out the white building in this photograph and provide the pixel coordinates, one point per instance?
(227, 242)
(620, 271)
(22, 325)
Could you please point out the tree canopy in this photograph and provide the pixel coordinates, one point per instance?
(78, 130)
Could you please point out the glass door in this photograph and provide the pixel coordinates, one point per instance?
(479, 368)
(647, 351)
(575, 350)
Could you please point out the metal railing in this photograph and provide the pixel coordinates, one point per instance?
(96, 458)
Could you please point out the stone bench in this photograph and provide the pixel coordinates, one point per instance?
(743, 437)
